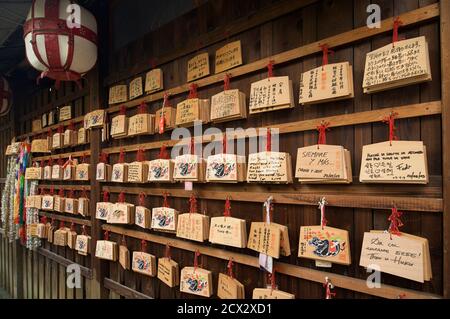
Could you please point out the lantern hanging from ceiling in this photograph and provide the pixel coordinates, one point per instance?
(5, 97)
(60, 39)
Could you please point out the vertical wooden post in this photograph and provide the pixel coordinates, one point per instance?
(445, 67)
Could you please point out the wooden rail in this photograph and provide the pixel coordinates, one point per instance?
(67, 219)
(123, 291)
(85, 272)
(354, 284)
(86, 153)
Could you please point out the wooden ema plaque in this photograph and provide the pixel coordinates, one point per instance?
(228, 56)
(193, 226)
(168, 272)
(72, 239)
(154, 81)
(323, 164)
(198, 67)
(103, 172)
(136, 88)
(47, 172)
(65, 113)
(196, 281)
(70, 138)
(327, 244)
(36, 125)
(404, 63)
(44, 120)
(106, 250)
(228, 105)
(83, 207)
(119, 173)
(41, 231)
(71, 206)
(269, 167)
(225, 168)
(33, 201)
(189, 168)
(47, 202)
(144, 263)
(271, 94)
(31, 230)
(228, 231)
(102, 210)
(164, 219)
(403, 162)
(82, 136)
(57, 140)
(170, 114)
(69, 170)
(124, 257)
(137, 172)
(119, 126)
(269, 293)
(94, 119)
(331, 82)
(50, 232)
(82, 172)
(401, 255)
(12, 149)
(57, 172)
(270, 239)
(83, 244)
(229, 288)
(140, 124)
(59, 204)
(60, 237)
(40, 146)
(143, 217)
(33, 173)
(117, 94)
(121, 213)
(161, 171)
(192, 110)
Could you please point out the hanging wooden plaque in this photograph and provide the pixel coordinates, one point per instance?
(82, 172)
(327, 244)
(57, 140)
(59, 204)
(142, 217)
(269, 167)
(268, 293)
(106, 250)
(119, 126)
(103, 172)
(331, 82)
(70, 138)
(36, 125)
(40, 146)
(60, 237)
(83, 207)
(193, 226)
(191, 110)
(271, 94)
(118, 94)
(69, 172)
(65, 113)
(121, 213)
(136, 89)
(144, 263)
(228, 105)
(198, 67)
(47, 172)
(119, 173)
(228, 56)
(47, 202)
(170, 114)
(228, 231)
(82, 136)
(196, 281)
(137, 172)
(102, 210)
(229, 288)
(71, 206)
(154, 81)
(94, 119)
(189, 168)
(161, 170)
(265, 238)
(72, 239)
(57, 172)
(141, 124)
(402, 162)
(83, 244)
(164, 219)
(124, 257)
(392, 66)
(168, 272)
(225, 168)
(33, 173)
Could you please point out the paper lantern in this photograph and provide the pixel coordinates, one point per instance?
(5, 96)
(61, 50)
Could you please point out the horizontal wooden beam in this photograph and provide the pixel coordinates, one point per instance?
(374, 116)
(64, 186)
(338, 199)
(86, 153)
(75, 120)
(409, 18)
(123, 291)
(354, 284)
(248, 22)
(85, 272)
(67, 219)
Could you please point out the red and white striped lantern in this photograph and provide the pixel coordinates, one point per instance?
(5, 97)
(60, 50)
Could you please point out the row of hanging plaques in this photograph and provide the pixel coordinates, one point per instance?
(395, 65)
